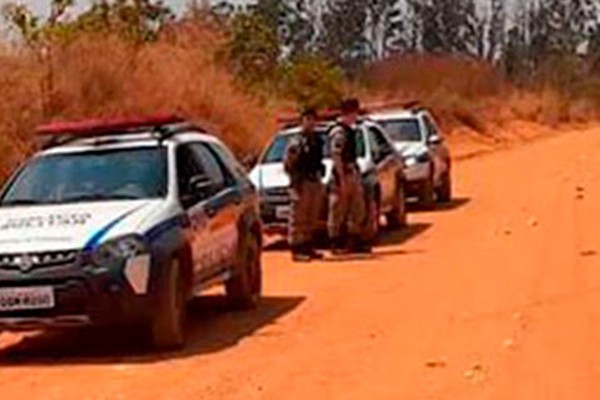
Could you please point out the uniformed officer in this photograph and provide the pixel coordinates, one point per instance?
(347, 208)
(304, 165)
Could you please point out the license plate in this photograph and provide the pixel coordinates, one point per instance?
(32, 298)
(282, 212)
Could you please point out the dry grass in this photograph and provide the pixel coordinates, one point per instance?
(97, 76)
(466, 94)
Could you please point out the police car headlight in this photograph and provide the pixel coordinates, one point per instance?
(119, 250)
(417, 159)
(410, 161)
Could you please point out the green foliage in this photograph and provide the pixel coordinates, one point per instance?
(343, 39)
(138, 20)
(253, 49)
(312, 81)
(447, 26)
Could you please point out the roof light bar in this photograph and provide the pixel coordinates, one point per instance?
(60, 133)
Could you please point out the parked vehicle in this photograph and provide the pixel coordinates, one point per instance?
(123, 222)
(381, 166)
(428, 169)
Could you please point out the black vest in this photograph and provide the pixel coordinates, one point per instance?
(349, 153)
(310, 159)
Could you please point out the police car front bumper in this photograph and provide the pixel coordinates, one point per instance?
(77, 293)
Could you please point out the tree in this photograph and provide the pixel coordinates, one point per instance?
(253, 49)
(384, 26)
(343, 37)
(497, 30)
(312, 81)
(447, 26)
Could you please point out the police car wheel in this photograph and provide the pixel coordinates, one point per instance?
(444, 192)
(245, 286)
(427, 195)
(168, 323)
(397, 218)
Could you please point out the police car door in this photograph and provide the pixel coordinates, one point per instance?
(189, 172)
(437, 149)
(384, 158)
(222, 209)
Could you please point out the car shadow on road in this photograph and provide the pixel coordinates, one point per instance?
(401, 236)
(387, 238)
(212, 328)
(442, 207)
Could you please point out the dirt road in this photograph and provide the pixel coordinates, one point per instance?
(495, 297)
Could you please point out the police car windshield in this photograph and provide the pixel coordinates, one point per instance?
(276, 151)
(130, 174)
(403, 130)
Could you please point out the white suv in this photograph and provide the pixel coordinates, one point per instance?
(382, 174)
(122, 222)
(426, 156)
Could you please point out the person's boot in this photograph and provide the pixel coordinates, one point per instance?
(338, 247)
(359, 246)
(312, 250)
(315, 255)
(300, 254)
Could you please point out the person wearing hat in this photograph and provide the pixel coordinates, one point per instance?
(303, 163)
(347, 208)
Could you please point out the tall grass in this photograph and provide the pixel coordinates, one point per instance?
(104, 75)
(466, 93)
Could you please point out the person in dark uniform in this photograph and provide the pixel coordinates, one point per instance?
(304, 165)
(347, 208)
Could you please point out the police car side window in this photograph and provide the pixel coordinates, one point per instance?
(211, 166)
(431, 129)
(231, 168)
(187, 168)
(384, 148)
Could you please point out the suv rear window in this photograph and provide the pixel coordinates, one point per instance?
(129, 174)
(276, 151)
(403, 130)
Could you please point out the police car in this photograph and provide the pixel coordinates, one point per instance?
(381, 167)
(123, 222)
(428, 165)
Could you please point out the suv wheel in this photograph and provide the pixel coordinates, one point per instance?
(444, 192)
(427, 194)
(244, 288)
(168, 323)
(397, 218)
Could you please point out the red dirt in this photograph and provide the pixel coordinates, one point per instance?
(493, 297)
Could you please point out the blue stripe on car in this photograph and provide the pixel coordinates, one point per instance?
(98, 236)
(165, 226)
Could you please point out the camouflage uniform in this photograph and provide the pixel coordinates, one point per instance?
(347, 209)
(303, 163)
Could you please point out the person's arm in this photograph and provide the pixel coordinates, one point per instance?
(337, 143)
(291, 157)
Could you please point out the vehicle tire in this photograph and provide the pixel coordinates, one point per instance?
(444, 192)
(397, 218)
(427, 194)
(244, 288)
(373, 215)
(168, 321)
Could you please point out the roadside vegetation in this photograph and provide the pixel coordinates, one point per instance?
(478, 66)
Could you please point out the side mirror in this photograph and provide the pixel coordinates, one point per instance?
(435, 139)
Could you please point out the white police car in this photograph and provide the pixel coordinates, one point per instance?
(426, 156)
(381, 167)
(123, 222)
